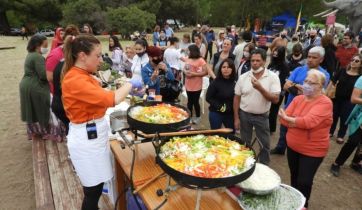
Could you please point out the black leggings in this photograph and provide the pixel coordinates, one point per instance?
(91, 197)
(193, 101)
(354, 141)
(302, 170)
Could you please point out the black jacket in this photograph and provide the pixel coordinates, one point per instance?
(330, 62)
(217, 57)
(220, 92)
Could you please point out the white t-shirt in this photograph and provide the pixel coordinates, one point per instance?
(172, 57)
(117, 57)
(203, 50)
(137, 64)
(183, 46)
(238, 52)
(252, 101)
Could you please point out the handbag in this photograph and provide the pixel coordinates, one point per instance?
(171, 90)
(331, 90)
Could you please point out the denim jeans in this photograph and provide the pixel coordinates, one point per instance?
(261, 124)
(217, 119)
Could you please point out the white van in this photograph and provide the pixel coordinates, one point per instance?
(172, 23)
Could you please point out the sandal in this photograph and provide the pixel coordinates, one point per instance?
(340, 141)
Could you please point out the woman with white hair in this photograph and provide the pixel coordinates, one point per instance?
(308, 118)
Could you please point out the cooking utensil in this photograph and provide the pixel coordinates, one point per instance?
(118, 120)
(191, 132)
(153, 127)
(194, 182)
(148, 182)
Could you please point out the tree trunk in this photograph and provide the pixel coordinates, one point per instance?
(4, 22)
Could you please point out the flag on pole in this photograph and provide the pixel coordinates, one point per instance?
(299, 17)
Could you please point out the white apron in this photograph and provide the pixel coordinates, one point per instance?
(91, 158)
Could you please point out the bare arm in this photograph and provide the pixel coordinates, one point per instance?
(204, 72)
(285, 119)
(236, 105)
(122, 92)
(210, 72)
(49, 76)
(289, 84)
(274, 98)
(356, 96)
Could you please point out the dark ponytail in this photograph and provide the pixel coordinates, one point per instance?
(73, 46)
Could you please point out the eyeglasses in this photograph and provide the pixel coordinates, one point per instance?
(356, 60)
(310, 82)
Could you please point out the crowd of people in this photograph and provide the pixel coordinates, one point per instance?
(311, 87)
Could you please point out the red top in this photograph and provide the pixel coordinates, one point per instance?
(310, 135)
(52, 60)
(58, 40)
(344, 55)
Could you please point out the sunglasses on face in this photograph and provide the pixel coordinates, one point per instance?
(356, 60)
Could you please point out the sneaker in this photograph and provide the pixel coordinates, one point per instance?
(356, 167)
(197, 120)
(340, 140)
(335, 170)
(277, 151)
(192, 120)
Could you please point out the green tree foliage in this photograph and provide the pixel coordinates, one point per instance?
(237, 11)
(84, 11)
(215, 12)
(128, 19)
(203, 11)
(184, 10)
(45, 10)
(151, 6)
(38, 12)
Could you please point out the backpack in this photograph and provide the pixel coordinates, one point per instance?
(171, 90)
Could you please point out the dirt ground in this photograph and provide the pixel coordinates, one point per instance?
(16, 177)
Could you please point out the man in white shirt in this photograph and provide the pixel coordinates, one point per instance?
(254, 92)
(172, 56)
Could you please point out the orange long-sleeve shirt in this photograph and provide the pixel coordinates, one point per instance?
(310, 135)
(83, 97)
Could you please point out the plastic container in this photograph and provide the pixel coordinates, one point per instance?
(256, 198)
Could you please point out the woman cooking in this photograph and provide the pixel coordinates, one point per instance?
(308, 118)
(85, 104)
